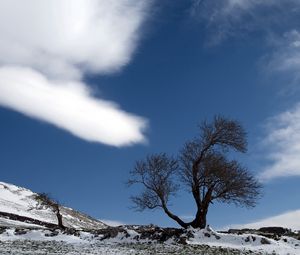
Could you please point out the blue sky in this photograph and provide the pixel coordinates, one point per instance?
(88, 89)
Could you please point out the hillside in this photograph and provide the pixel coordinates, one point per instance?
(18, 208)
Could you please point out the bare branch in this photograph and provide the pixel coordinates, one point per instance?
(203, 167)
(156, 174)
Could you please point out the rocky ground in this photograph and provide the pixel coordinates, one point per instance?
(145, 240)
(30, 247)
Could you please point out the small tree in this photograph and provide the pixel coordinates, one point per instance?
(204, 168)
(44, 200)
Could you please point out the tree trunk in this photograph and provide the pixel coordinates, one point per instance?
(200, 219)
(202, 206)
(199, 222)
(174, 217)
(59, 219)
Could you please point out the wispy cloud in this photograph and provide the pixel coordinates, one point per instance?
(285, 56)
(288, 219)
(46, 48)
(70, 106)
(227, 18)
(277, 22)
(283, 145)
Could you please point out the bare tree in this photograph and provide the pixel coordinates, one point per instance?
(156, 174)
(204, 168)
(44, 200)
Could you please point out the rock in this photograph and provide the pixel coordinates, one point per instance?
(206, 234)
(189, 234)
(2, 230)
(20, 231)
(109, 232)
(239, 231)
(265, 241)
(52, 233)
(71, 231)
(216, 236)
(274, 230)
(182, 240)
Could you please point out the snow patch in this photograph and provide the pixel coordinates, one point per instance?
(285, 245)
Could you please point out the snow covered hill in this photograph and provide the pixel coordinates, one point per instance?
(16, 201)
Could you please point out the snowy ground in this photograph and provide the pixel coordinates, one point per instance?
(29, 247)
(40, 241)
(251, 242)
(14, 223)
(20, 233)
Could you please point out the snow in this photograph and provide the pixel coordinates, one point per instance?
(38, 235)
(17, 236)
(21, 201)
(37, 242)
(126, 243)
(246, 242)
(14, 223)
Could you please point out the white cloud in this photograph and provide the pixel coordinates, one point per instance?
(63, 38)
(282, 145)
(70, 106)
(46, 48)
(288, 219)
